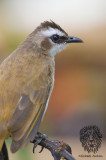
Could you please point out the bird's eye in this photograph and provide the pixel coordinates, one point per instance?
(55, 38)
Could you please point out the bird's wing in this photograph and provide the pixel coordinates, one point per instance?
(28, 114)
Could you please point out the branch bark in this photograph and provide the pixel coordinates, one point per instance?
(58, 149)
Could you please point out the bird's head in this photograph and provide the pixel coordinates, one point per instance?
(51, 38)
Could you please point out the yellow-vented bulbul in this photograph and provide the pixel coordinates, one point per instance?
(26, 83)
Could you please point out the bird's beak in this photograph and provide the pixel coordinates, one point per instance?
(73, 39)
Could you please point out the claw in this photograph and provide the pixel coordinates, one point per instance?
(38, 138)
(36, 143)
(41, 149)
(58, 149)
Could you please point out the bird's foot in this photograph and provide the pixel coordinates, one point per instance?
(38, 138)
(58, 149)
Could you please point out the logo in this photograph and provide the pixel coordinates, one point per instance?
(91, 138)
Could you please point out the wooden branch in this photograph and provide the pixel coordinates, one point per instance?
(58, 149)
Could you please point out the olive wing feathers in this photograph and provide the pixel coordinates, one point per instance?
(27, 116)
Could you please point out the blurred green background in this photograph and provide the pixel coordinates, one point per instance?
(79, 95)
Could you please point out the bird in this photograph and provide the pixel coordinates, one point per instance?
(26, 83)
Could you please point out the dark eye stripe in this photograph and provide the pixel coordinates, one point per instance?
(58, 39)
(62, 39)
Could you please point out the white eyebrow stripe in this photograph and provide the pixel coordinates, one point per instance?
(50, 31)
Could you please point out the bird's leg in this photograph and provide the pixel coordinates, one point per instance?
(58, 149)
(38, 138)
